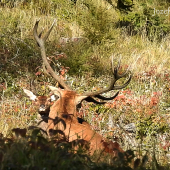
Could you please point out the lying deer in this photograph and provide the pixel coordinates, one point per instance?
(62, 115)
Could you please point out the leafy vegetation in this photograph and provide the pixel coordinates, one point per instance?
(87, 33)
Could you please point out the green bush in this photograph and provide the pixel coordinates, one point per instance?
(155, 27)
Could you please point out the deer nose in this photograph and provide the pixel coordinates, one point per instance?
(42, 108)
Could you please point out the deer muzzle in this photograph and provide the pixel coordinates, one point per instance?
(42, 108)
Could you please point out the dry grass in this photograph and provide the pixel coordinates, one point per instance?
(145, 102)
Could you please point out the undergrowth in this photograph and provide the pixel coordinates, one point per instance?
(79, 49)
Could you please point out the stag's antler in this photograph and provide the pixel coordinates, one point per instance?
(41, 43)
(112, 86)
(88, 96)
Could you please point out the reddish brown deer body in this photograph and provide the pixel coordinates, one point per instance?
(62, 114)
(63, 110)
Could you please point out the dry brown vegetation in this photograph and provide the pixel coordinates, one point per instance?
(83, 64)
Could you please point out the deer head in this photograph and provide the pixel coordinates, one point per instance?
(64, 109)
(42, 103)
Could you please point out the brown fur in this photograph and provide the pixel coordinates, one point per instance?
(42, 101)
(64, 109)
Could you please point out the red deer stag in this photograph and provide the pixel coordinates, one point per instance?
(64, 109)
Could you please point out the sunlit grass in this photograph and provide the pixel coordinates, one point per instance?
(145, 102)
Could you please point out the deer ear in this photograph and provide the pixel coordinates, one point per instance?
(30, 94)
(56, 90)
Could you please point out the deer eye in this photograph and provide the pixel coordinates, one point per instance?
(35, 100)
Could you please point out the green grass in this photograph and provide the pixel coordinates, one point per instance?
(144, 102)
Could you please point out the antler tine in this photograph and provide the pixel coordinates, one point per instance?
(116, 76)
(48, 32)
(40, 34)
(124, 85)
(38, 39)
(115, 70)
(41, 43)
(90, 99)
(107, 98)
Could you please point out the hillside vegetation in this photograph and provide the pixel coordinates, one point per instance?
(86, 36)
